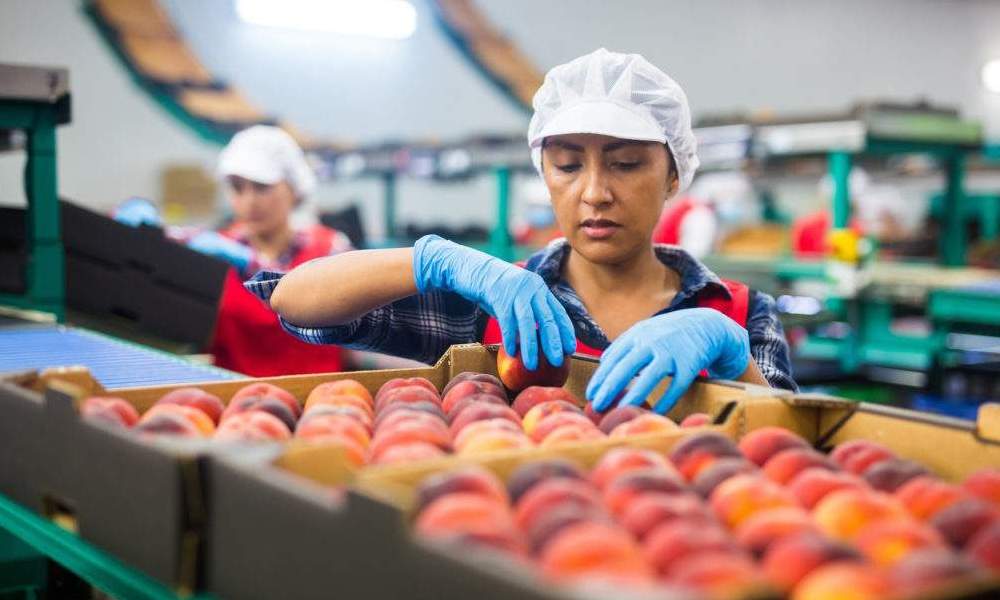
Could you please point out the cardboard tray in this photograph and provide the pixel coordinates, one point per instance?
(152, 504)
(341, 547)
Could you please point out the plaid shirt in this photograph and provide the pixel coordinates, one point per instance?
(423, 326)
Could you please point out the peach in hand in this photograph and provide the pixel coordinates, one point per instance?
(516, 377)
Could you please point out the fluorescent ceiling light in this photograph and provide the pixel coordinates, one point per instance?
(395, 19)
(991, 76)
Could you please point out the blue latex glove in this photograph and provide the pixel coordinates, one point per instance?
(137, 211)
(679, 344)
(516, 297)
(223, 248)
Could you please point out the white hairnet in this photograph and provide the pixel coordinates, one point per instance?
(267, 155)
(619, 95)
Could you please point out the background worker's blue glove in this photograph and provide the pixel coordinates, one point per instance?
(223, 248)
(679, 344)
(137, 211)
(516, 297)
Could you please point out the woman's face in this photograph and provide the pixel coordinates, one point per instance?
(263, 209)
(607, 192)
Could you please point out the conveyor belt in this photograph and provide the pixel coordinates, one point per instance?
(114, 363)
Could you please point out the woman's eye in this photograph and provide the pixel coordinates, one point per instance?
(628, 165)
(569, 168)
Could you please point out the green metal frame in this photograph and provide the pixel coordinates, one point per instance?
(45, 289)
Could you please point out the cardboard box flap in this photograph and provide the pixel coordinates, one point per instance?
(988, 422)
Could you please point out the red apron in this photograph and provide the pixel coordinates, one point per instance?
(736, 308)
(248, 338)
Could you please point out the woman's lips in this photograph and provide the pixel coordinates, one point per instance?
(599, 229)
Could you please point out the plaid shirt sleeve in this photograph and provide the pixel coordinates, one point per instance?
(419, 327)
(768, 345)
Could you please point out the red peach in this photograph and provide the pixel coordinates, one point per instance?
(618, 415)
(696, 420)
(984, 484)
(919, 573)
(494, 441)
(482, 411)
(668, 543)
(857, 456)
(840, 580)
(621, 460)
(984, 547)
(461, 404)
(328, 426)
(650, 509)
(349, 387)
(531, 397)
(571, 434)
(406, 395)
(196, 398)
(716, 573)
(401, 382)
(408, 452)
(785, 465)
(400, 416)
(961, 520)
(550, 423)
(464, 512)
(429, 408)
(846, 513)
(532, 473)
(720, 470)
(813, 484)
(253, 427)
(761, 444)
(200, 420)
(516, 377)
(266, 390)
(699, 450)
(408, 432)
(268, 404)
(890, 474)
(168, 423)
(924, 496)
(540, 411)
(740, 497)
(549, 494)
(111, 409)
(330, 399)
(470, 388)
(546, 526)
(886, 543)
(474, 480)
(788, 560)
(476, 428)
(593, 549)
(470, 376)
(347, 411)
(644, 424)
(764, 528)
(624, 488)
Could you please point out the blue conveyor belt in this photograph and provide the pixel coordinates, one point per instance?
(112, 362)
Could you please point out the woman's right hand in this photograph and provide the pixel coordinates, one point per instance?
(519, 299)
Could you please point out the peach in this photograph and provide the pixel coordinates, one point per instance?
(961, 520)
(846, 513)
(843, 581)
(538, 412)
(530, 474)
(200, 420)
(644, 424)
(547, 525)
(650, 509)
(699, 450)
(670, 542)
(886, 543)
(624, 488)
(890, 474)
(696, 420)
(984, 547)
(401, 382)
(788, 560)
(253, 427)
(464, 512)
(551, 493)
(720, 470)
(474, 429)
(531, 397)
(594, 549)
(474, 480)
(857, 456)
(110, 409)
(338, 400)
(984, 484)
(619, 415)
(462, 403)
(333, 426)
(482, 411)
(785, 465)
(554, 421)
(268, 404)
(516, 377)
(761, 444)
(739, 498)
(266, 390)
(408, 452)
(571, 434)
(470, 388)
(813, 484)
(406, 395)
(716, 573)
(345, 411)
(400, 416)
(757, 533)
(622, 460)
(169, 423)
(342, 387)
(495, 441)
(196, 398)
(405, 433)
(429, 408)
(925, 495)
(921, 572)
(470, 376)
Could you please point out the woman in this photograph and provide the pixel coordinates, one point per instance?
(611, 137)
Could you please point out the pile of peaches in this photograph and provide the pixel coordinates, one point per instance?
(717, 518)
(406, 420)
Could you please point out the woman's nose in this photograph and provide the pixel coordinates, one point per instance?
(595, 187)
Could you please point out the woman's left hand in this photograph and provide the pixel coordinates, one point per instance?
(678, 344)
